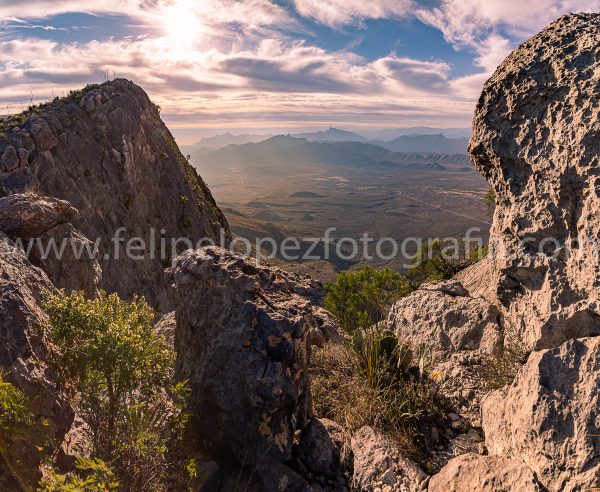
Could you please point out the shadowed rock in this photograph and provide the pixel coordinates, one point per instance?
(243, 343)
(107, 152)
(23, 355)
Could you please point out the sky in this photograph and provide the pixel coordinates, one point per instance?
(267, 65)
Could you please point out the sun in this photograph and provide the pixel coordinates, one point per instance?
(182, 24)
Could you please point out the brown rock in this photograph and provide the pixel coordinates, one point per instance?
(28, 215)
(471, 472)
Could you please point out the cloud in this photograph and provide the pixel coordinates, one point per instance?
(464, 22)
(491, 29)
(337, 13)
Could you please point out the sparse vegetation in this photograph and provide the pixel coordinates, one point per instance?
(361, 298)
(501, 369)
(375, 378)
(490, 201)
(122, 372)
(376, 381)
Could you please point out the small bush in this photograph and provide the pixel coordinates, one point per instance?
(361, 298)
(90, 476)
(20, 430)
(122, 372)
(490, 201)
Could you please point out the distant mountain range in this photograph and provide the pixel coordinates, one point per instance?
(417, 139)
(271, 153)
(425, 143)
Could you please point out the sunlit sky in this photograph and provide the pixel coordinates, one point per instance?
(264, 65)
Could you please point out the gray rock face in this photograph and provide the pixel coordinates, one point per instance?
(535, 139)
(23, 351)
(107, 152)
(379, 462)
(77, 268)
(549, 416)
(242, 340)
(29, 215)
(471, 472)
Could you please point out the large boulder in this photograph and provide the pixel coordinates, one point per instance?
(41, 227)
(379, 462)
(536, 135)
(23, 356)
(471, 472)
(447, 319)
(549, 417)
(27, 215)
(107, 152)
(243, 343)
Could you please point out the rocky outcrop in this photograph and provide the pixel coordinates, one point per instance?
(455, 321)
(535, 139)
(471, 472)
(106, 151)
(28, 215)
(23, 355)
(380, 464)
(457, 331)
(242, 342)
(41, 229)
(549, 416)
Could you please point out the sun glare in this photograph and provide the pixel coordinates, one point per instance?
(183, 26)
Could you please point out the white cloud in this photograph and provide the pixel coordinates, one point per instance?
(463, 22)
(342, 12)
(490, 28)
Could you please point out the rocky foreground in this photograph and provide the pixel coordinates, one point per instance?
(82, 167)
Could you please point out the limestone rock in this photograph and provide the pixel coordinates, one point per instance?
(379, 460)
(149, 193)
(242, 342)
(10, 159)
(28, 215)
(535, 138)
(471, 472)
(23, 352)
(166, 328)
(458, 331)
(445, 318)
(549, 416)
(77, 268)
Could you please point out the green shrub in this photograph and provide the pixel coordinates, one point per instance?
(361, 298)
(490, 201)
(107, 351)
(432, 264)
(20, 430)
(90, 476)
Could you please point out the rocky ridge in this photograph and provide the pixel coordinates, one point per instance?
(106, 151)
